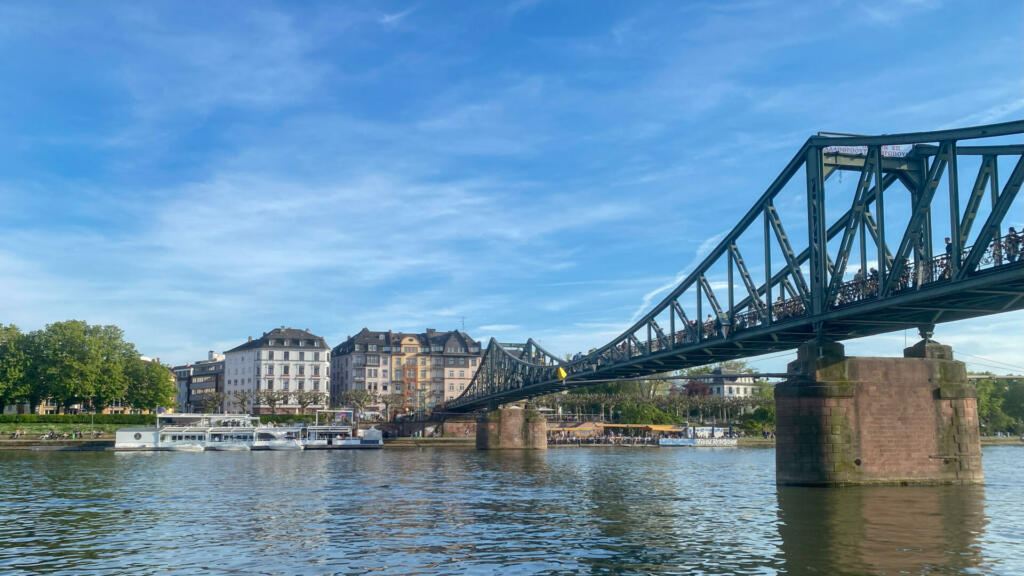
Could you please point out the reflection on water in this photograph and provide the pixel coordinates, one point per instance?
(881, 530)
(443, 511)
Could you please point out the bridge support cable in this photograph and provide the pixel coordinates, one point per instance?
(982, 273)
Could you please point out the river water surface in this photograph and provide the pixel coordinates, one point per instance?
(448, 511)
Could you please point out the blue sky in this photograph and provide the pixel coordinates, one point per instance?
(198, 172)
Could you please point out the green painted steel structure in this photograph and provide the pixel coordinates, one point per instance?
(807, 289)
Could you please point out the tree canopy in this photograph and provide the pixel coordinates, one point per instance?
(74, 362)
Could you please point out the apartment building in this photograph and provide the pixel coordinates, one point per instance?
(362, 362)
(198, 381)
(426, 368)
(284, 360)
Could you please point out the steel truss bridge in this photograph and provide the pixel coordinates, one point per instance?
(865, 262)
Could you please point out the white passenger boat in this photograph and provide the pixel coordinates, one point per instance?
(191, 433)
(341, 438)
(701, 437)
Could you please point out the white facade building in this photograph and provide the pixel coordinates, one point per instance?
(285, 360)
(731, 384)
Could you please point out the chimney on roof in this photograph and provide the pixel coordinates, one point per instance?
(282, 327)
(250, 338)
(307, 330)
(431, 330)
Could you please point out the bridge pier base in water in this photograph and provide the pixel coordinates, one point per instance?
(858, 420)
(511, 429)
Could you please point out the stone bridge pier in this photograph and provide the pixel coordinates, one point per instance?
(511, 428)
(856, 420)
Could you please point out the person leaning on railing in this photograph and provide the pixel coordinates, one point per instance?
(1012, 245)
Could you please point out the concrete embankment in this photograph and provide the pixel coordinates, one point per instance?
(420, 442)
(84, 444)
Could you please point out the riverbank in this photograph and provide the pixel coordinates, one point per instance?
(79, 444)
(90, 444)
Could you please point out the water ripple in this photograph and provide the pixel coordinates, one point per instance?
(443, 511)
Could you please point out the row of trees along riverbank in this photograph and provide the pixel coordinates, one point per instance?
(74, 362)
(1000, 405)
(664, 401)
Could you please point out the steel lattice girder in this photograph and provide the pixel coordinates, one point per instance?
(965, 288)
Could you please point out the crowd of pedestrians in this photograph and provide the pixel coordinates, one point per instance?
(1007, 249)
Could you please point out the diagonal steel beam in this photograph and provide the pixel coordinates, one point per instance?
(985, 173)
(792, 262)
(747, 282)
(686, 321)
(992, 224)
(917, 220)
(855, 220)
(711, 296)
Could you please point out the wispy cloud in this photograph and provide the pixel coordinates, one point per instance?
(395, 18)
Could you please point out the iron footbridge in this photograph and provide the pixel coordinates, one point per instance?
(921, 232)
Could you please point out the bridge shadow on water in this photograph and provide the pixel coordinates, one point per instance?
(882, 530)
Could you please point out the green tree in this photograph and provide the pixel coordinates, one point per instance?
(1013, 403)
(36, 386)
(13, 364)
(67, 367)
(111, 358)
(148, 385)
(990, 406)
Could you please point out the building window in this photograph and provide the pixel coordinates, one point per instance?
(302, 356)
(451, 373)
(286, 355)
(373, 347)
(302, 369)
(284, 368)
(270, 369)
(451, 387)
(384, 373)
(316, 386)
(270, 355)
(316, 356)
(462, 373)
(285, 386)
(451, 361)
(462, 361)
(270, 384)
(302, 384)
(472, 361)
(316, 370)
(423, 373)
(423, 361)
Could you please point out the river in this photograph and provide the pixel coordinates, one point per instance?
(445, 510)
